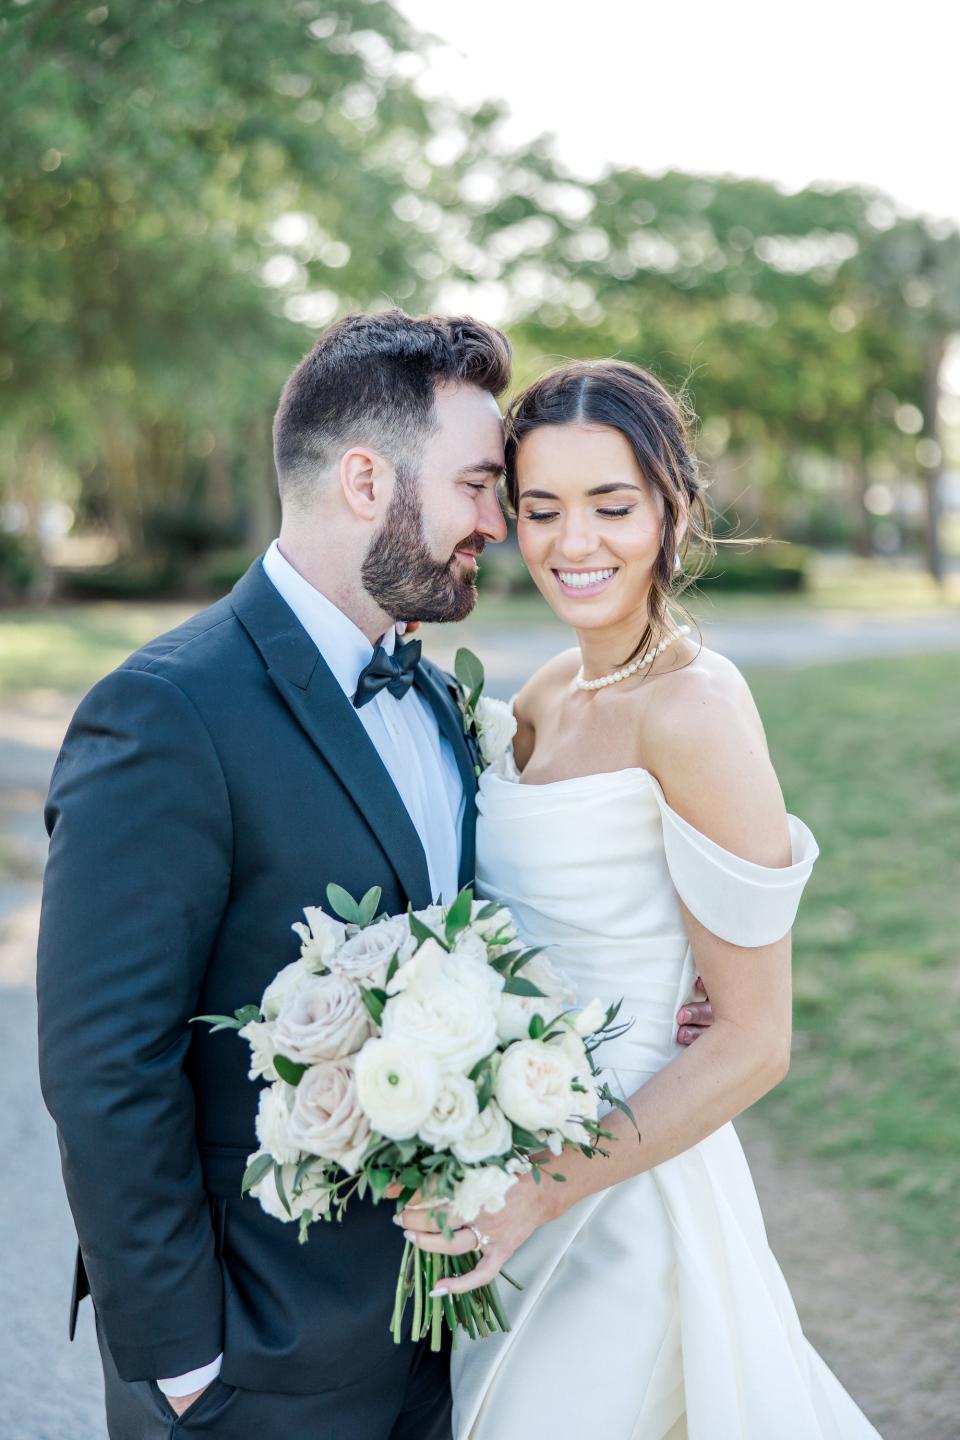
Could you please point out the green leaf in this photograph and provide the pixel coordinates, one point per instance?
(246, 1013)
(536, 1027)
(459, 914)
(468, 670)
(289, 1070)
(554, 1176)
(374, 1000)
(302, 1169)
(412, 1175)
(255, 1172)
(367, 908)
(342, 903)
(622, 1105)
(392, 969)
(219, 1022)
(526, 1139)
(487, 912)
(517, 985)
(485, 1090)
(278, 1177)
(423, 932)
(379, 1179)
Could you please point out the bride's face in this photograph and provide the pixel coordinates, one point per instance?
(588, 523)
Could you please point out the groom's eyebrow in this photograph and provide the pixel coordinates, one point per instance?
(610, 489)
(483, 467)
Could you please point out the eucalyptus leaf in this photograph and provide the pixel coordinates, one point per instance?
(367, 908)
(281, 1191)
(246, 1013)
(468, 669)
(343, 904)
(517, 985)
(255, 1172)
(622, 1105)
(289, 1070)
(219, 1022)
(374, 1000)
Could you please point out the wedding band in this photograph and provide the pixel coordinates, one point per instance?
(480, 1239)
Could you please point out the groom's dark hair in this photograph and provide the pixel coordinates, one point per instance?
(370, 380)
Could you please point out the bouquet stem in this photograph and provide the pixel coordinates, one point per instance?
(478, 1312)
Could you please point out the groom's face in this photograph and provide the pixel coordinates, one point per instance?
(422, 564)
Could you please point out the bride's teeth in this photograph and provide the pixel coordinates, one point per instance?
(579, 581)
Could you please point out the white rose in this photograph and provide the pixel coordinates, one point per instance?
(590, 1018)
(454, 1111)
(397, 1085)
(367, 955)
(489, 1135)
(319, 938)
(322, 1019)
(273, 1123)
(259, 1036)
(445, 1019)
(468, 965)
(516, 1011)
(326, 1119)
(576, 1052)
(314, 1195)
(433, 916)
(290, 978)
(534, 1085)
(484, 1188)
(496, 727)
(420, 970)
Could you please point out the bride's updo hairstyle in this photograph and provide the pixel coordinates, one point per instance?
(657, 427)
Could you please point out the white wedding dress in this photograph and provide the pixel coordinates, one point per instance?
(653, 1310)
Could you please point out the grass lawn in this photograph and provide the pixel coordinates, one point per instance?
(869, 755)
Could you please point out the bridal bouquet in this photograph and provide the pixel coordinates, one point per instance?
(428, 1051)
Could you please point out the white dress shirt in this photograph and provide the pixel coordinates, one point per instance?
(418, 759)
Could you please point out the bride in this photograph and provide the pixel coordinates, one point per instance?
(644, 839)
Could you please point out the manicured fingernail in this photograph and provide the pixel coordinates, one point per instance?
(438, 1294)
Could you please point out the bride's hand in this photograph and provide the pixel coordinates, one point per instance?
(527, 1206)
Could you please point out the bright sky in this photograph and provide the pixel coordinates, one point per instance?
(843, 90)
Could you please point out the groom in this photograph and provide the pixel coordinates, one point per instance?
(206, 792)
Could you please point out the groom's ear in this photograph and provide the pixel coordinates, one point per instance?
(366, 479)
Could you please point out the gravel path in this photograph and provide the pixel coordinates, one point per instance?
(879, 1321)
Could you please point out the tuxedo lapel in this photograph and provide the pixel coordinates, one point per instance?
(317, 702)
(442, 702)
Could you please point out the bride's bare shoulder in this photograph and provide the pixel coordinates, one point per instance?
(545, 684)
(703, 706)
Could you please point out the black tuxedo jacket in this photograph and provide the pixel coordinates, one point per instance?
(206, 791)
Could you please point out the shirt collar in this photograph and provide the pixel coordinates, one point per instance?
(343, 646)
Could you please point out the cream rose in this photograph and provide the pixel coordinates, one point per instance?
(273, 1123)
(397, 1085)
(443, 1018)
(488, 1135)
(423, 968)
(366, 956)
(454, 1111)
(484, 1188)
(314, 1195)
(319, 938)
(534, 1085)
(289, 979)
(516, 1011)
(326, 1118)
(322, 1019)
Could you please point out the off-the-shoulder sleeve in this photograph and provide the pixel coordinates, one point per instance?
(743, 903)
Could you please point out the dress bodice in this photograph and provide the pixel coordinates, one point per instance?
(595, 868)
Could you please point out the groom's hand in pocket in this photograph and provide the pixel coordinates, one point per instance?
(695, 1017)
(181, 1403)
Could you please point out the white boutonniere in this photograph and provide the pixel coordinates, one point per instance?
(489, 725)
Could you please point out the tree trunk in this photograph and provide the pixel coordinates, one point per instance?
(933, 473)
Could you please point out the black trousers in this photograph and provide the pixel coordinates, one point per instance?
(138, 1409)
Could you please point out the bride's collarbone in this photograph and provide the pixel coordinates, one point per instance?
(568, 750)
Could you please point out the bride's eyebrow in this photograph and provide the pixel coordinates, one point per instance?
(609, 489)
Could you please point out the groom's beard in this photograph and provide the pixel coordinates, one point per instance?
(400, 573)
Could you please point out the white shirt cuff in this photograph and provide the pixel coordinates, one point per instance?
(180, 1385)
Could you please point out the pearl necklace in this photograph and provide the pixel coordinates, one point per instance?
(634, 665)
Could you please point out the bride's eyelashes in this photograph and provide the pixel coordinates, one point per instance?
(613, 514)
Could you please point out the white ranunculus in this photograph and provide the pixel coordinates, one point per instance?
(290, 978)
(534, 1085)
(590, 1018)
(259, 1036)
(320, 937)
(449, 1021)
(273, 1123)
(314, 1195)
(516, 1011)
(397, 1084)
(454, 1110)
(421, 969)
(327, 1119)
(489, 1135)
(322, 1019)
(496, 727)
(366, 956)
(483, 1188)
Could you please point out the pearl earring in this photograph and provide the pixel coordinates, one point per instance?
(676, 562)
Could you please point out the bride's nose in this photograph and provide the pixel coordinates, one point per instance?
(577, 541)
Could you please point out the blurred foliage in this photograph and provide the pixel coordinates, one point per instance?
(190, 189)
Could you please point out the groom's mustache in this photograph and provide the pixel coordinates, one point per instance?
(474, 545)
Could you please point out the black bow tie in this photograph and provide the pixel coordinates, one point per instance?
(388, 672)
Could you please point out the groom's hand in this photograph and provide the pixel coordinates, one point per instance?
(180, 1403)
(695, 1017)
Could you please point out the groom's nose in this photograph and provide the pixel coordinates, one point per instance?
(492, 521)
